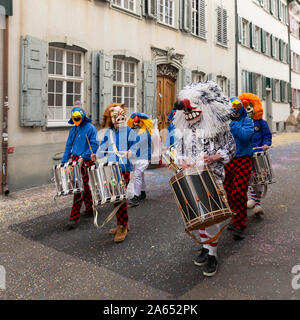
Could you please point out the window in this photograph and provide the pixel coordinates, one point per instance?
(257, 38)
(277, 90)
(65, 83)
(198, 76)
(268, 49)
(222, 32)
(222, 81)
(244, 32)
(125, 4)
(199, 18)
(124, 83)
(258, 88)
(165, 10)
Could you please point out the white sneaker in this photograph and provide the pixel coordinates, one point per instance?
(250, 204)
(258, 210)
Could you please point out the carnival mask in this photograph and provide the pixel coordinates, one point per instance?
(118, 116)
(192, 113)
(77, 118)
(249, 108)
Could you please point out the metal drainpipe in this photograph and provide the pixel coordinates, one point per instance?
(4, 187)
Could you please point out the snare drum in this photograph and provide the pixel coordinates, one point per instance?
(201, 201)
(262, 169)
(106, 183)
(68, 178)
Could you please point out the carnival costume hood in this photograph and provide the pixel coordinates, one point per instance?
(145, 122)
(79, 112)
(202, 105)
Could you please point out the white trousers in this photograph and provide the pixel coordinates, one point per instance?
(210, 232)
(139, 168)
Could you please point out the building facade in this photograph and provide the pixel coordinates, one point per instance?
(140, 52)
(294, 13)
(264, 56)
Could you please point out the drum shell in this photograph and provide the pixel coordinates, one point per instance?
(106, 183)
(262, 172)
(68, 178)
(201, 201)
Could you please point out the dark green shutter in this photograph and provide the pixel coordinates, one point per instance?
(33, 82)
(8, 5)
(273, 89)
(263, 87)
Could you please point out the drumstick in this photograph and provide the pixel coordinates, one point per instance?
(260, 147)
(89, 143)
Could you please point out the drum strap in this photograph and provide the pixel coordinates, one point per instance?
(110, 216)
(210, 240)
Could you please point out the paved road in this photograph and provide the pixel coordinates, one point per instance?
(43, 261)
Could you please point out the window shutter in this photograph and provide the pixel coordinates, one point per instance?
(252, 35)
(187, 16)
(264, 85)
(202, 18)
(186, 77)
(219, 24)
(272, 6)
(289, 92)
(279, 9)
(33, 82)
(149, 89)
(272, 44)
(263, 40)
(105, 81)
(287, 15)
(281, 91)
(254, 79)
(239, 29)
(212, 77)
(224, 26)
(273, 89)
(250, 87)
(95, 86)
(150, 9)
(287, 53)
(231, 91)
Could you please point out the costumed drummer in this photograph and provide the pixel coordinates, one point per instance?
(78, 146)
(202, 129)
(237, 172)
(262, 137)
(142, 125)
(117, 140)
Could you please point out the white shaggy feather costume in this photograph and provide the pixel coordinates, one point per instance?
(207, 134)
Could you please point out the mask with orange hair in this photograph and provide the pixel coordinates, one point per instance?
(253, 105)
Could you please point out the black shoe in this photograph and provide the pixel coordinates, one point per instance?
(210, 268)
(134, 201)
(202, 258)
(238, 234)
(142, 195)
(72, 224)
(231, 227)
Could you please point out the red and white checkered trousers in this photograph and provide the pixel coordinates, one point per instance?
(86, 197)
(237, 174)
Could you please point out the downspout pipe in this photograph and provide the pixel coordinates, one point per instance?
(4, 186)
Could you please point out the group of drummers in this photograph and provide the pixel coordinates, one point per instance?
(213, 141)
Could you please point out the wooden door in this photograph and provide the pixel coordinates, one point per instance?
(165, 97)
